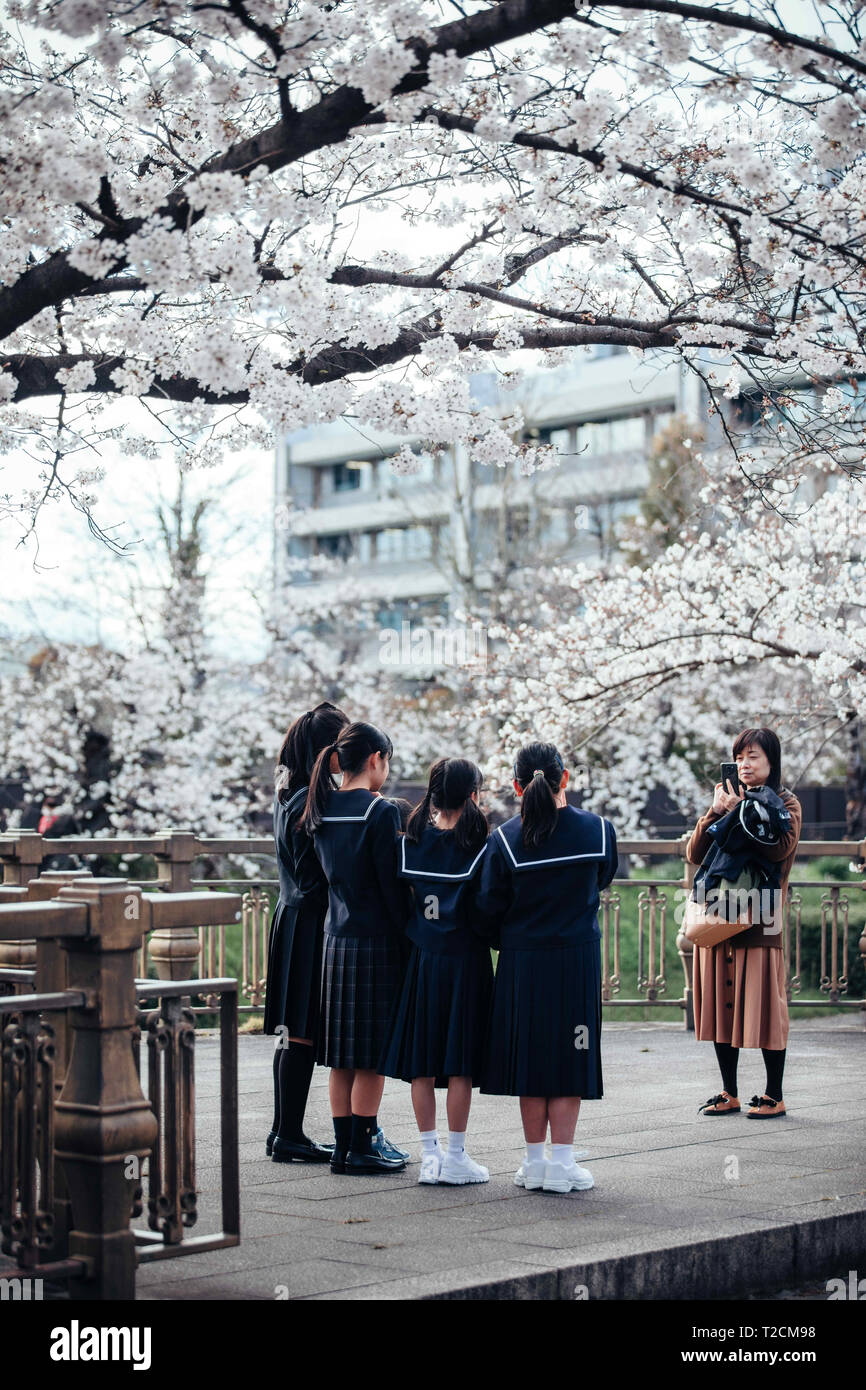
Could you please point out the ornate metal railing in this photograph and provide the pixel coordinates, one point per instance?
(181, 950)
(27, 1168)
(71, 1104)
(169, 1033)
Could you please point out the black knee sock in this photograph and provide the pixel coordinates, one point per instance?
(775, 1064)
(296, 1073)
(278, 1052)
(342, 1135)
(727, 1058)
(364, 1129)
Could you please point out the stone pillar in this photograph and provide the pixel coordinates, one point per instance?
(101, 1117)
(51, 978)
(175, 950)
(21, 853)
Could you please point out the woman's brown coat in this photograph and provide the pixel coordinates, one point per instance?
(739, 987)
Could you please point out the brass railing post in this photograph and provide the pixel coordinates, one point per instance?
(101, 1116)
(175, 950)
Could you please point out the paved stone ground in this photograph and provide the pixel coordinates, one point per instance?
(681, 1202)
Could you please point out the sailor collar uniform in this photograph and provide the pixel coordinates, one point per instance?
(541, 904)
(548, 894)
(578, 835)
(440, 1021)
(356, 844)
(441, 877)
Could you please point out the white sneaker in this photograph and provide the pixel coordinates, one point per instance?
(530, 1175)
(457, 1171)
(431, 1166)
(567, 1177)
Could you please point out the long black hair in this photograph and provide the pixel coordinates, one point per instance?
(449, 788)
(538, 768)
(353, 747)
(768, 741)
(303, 743)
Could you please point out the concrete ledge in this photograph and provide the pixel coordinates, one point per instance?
(752, 1260)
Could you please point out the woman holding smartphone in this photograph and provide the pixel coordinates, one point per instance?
(740, 997)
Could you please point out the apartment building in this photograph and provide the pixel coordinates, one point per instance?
(418, 542)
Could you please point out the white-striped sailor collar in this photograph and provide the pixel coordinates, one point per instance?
(298, 795)
(429, 873)
(373, 800)
(560, 858)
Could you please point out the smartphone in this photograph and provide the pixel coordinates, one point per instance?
(729, 775)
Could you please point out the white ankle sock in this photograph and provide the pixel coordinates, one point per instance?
(562, 1153)
(535, 1153)
(429, 1141)
(456, 1142)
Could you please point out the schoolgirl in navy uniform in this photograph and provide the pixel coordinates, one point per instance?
(540, 882)
(355, 833)
(295, 938)
(437, 1036)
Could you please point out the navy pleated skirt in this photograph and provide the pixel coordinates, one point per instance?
(440, 1021)
(361, 979)
(544, 1037)
(295, 968)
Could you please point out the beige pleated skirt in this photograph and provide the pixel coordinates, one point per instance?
(739, 995)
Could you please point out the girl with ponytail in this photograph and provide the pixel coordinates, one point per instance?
(437, 1036)
(295, 938)
(541, 878)
(355, 834)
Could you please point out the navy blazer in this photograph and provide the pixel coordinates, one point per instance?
(547, 895)
(356, 845)
(440, 875)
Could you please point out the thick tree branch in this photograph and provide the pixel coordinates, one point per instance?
(287, 141)
(730, 19)
(36, 375)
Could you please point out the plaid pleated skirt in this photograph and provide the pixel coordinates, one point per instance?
(361, 979)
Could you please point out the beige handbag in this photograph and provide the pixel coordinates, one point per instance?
(703, 926)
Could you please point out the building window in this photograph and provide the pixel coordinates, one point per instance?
(562, 441)
(337, 547)
(628, 432)
(404, 543)
(618, 435)
(346, 478)
(391, 615)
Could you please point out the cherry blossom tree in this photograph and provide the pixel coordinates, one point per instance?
(643, 673)
(255, 215)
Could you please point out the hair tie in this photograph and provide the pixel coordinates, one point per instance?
(539, 772)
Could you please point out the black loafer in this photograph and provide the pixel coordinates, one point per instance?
(269, 1142)
(373, 1163)
(338, 1162)
(293, 1151)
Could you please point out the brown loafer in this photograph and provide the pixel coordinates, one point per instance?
(765, 1108)
(722, 1104)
